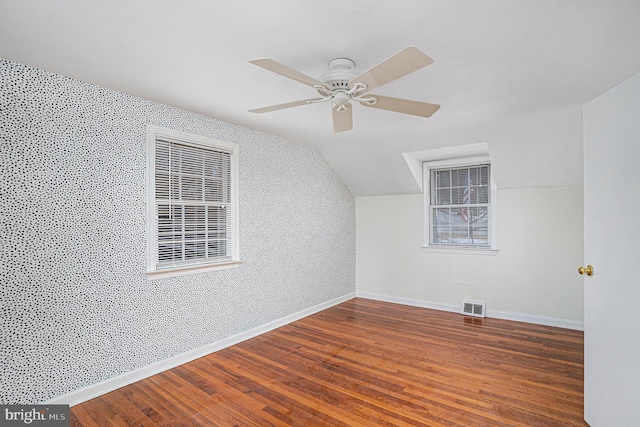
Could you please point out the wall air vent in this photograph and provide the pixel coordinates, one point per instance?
(474, 308)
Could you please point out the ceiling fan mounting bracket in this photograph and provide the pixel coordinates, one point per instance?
(341, 72)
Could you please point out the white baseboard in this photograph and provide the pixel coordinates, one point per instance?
(538, 320)
(411, 302)
(82, 395)
(517, 317)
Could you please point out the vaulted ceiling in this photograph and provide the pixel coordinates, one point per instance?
(514, 74)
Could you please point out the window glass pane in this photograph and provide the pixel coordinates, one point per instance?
(162, 186)
(471, 195)
(194, 250)
(214, 191)
(482, 195)
(191, 188)
(170, 251)
(441, 225)
(217, 248)
(192, 161)
(459, 235)
(459, 177)
(457, 196)
(169, 218)
(479, 225)
(459, 215)
(443, 179)
(194, 223)
(484, 176)
(442, 217)
(473, 177)
(444, 196)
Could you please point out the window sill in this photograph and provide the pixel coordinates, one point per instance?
(465, 251)
(192, 269)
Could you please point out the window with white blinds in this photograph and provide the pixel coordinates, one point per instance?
(194, 203)
(460, 206)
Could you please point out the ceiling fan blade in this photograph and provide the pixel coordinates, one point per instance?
(342, 120)
(416, 108)
(286, 105)
(283, 70)
(402, 63)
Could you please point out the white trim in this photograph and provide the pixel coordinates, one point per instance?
(459, 250)
(82, 395)
(192, 269)
(454, 308)
(538, 320)
(461, 162)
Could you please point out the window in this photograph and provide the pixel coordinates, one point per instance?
(459, 203)
(192, 203)
(459, 207)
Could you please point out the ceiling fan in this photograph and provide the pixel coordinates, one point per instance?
(341, 85)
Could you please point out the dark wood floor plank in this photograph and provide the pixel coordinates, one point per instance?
(367, 363)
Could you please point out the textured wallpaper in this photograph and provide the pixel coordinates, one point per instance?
(76, 307)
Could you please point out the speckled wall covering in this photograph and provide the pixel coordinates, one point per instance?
(76, 307)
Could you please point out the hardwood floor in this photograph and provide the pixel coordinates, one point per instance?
(367, 363)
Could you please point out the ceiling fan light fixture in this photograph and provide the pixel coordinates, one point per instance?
(340, 98)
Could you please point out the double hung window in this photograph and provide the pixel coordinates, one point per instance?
(460, 207)
(193, 203)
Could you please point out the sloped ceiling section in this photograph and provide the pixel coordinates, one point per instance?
(512, 73)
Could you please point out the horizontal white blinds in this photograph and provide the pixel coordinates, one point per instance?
(192, 204)
(460, 206)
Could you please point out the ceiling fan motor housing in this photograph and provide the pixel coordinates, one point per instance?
(341, 72)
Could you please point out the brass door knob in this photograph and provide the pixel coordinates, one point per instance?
(588, 269)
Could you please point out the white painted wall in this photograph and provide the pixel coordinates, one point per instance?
(533, 277)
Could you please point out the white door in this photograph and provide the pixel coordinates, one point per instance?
(612, 246)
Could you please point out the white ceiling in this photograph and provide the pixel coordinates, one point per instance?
(510, 73)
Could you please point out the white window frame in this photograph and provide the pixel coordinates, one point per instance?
(426, 186)
(155, 271)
